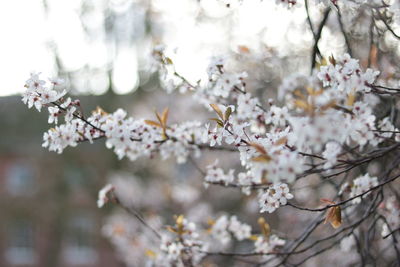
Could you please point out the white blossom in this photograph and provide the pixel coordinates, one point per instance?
(330, 153)
(54, 112)
(103, 198)
(263, 245)
(274, 197)
(362, 184)
(219, 230)
(240, 230)
(217, 175)
(347, 243)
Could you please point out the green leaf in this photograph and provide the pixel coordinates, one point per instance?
(217, 110)
(228, 113)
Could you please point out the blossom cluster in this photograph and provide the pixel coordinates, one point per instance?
(125, 135)
(268, 245)
(345, 75)
(186, 248)
(223, 228)
(390, 210)
(274, 197)
(39, 94)
(103, 195)
(320, 119)
(129, 239)
(137, 138)
(217, 175)
(359, 186)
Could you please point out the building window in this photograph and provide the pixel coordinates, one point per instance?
(79, 248)
(20, 249)
(20, 179)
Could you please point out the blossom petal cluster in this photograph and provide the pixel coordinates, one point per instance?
(274, 197)
(103, 195)
(178, 251)
(223, 228)
(362, 184)
(346, 75)
(391, 211)
(217, 175)
(268, 245)
(38, 93)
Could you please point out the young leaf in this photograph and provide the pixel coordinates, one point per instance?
(332, 60)
(243, 49)
(262, 158)
(322, 62)
(100, 110)
(281, 141)
(168, 61)
(302, 104)
(159, 118)
(164, 117)
(153, 123)
(265, 228)
(351, 98)
(327, 201)
(150, 253)
(228, 113)
(218, 121)
(259, 148)
(217, 110)
(253, 237)
(334, 217)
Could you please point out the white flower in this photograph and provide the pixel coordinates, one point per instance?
(217, 175)
(361, 185)
(277, 116)
(391, 212)
(69, 115)
(102, 198)
(37, 94)
(57, 81)
(347, 76)
(240, 230)
(332, 150)
(172, 249)
(286, 3)
(58, 138)
(347, 243)
(54, 112)
(245, 180)
(215, 66)
(266, 246)
(247, 107)
(34, 82)
(219, 230)
(236, 134)
(387, 129)
(274, 197)
(225, 83)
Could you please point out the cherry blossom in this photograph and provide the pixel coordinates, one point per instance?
(330, 153)
(263, 245)
(37, 94)
(223, 228)
(103, 195)
(362, 184)
(274, 197)
(322, 127)
(217, 175)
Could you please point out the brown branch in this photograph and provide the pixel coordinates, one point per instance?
(347, 200)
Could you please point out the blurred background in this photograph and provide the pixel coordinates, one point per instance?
(102, 48)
